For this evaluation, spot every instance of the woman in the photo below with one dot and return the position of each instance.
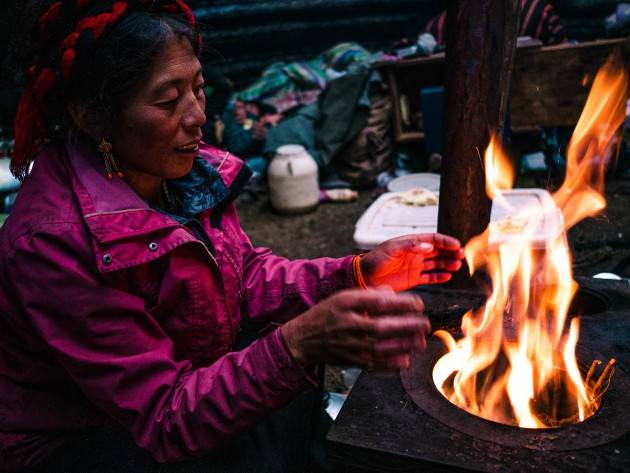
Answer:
(127, 283)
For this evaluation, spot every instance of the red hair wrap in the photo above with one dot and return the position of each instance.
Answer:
(29, 123)
(97, 24)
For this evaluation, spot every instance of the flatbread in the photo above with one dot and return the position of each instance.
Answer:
(418, 197)
(510, 225)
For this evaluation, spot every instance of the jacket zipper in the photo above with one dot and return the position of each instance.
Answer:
(229, 318)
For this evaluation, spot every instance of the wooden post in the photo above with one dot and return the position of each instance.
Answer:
(480, 45)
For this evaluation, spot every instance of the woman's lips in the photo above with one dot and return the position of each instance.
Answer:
(189, 147)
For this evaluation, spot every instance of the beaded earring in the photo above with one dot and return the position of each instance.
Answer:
(105, 148)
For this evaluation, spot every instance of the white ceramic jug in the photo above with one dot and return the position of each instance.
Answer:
(293, 182)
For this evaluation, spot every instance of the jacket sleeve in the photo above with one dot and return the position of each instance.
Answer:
(123, 361)
(278, 289)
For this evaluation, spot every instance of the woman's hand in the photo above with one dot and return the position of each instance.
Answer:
(408, 261)
(372, 328)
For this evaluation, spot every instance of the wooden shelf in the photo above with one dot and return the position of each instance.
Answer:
(549, 86)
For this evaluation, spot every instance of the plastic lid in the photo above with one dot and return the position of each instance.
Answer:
(290, 150)
(525, 213)
(387, 218)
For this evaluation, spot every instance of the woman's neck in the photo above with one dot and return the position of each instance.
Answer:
(145, 185)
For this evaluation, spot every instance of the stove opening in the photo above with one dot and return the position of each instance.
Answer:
(554, 405)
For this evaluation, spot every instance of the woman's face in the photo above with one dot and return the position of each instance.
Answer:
(158, 133)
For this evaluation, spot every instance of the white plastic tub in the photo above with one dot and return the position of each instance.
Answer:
(387, 218)
(534, 213)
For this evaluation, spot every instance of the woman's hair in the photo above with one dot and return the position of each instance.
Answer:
(94, 54)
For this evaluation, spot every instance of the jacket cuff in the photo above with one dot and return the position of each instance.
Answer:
(345, 277)
(296, 376)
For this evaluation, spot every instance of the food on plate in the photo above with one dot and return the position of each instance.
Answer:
(418, 198)
(510, 225)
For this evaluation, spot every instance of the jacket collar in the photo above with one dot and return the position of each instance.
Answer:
(200, 190)
(113, 211)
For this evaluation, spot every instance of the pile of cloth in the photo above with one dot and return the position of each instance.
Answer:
(285, 86)
(332, 105)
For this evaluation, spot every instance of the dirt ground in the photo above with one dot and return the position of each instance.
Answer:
(600, 244)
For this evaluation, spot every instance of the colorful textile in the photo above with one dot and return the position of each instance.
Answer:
(284, 86)
(113, 312)
(298, 129)
(539, 20)
(200, 190)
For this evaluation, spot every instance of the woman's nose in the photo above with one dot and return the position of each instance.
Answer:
(195, 115)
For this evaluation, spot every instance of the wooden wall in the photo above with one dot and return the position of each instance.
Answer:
(246, 35)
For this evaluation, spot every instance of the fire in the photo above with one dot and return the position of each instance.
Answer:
(516, 362)
(499, 171)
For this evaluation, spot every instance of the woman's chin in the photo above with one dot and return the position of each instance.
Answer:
(183, 164)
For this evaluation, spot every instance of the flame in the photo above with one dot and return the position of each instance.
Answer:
(499, 171)
(516, 361)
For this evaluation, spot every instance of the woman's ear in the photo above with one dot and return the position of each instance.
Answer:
(81, 119)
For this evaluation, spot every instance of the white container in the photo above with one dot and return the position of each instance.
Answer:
(525, 213)
(293, 180)
(387, 218)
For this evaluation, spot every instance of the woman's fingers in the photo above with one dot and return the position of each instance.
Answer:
(445, 254)
(384, 326)
(451, 265)
(388, 327)
(437, 277)
(397, 346)
(436, 239)
(382, 335)
(389, 336)
(377, 302)
(445, 242)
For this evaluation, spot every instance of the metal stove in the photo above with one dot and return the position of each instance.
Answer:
(400, 422)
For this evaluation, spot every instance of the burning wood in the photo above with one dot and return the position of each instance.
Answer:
(516, 363)
(601, 385)
(591, 371)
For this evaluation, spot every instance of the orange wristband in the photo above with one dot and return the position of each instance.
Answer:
(358, 276)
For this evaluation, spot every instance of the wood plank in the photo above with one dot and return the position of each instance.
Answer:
(550, 86)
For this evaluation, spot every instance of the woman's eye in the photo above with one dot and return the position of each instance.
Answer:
(168, 103)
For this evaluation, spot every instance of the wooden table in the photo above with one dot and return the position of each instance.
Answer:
(549, 87)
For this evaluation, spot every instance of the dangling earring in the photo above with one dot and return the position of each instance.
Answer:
(110, 163)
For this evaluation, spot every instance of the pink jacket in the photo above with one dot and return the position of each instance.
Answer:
(110, 309)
